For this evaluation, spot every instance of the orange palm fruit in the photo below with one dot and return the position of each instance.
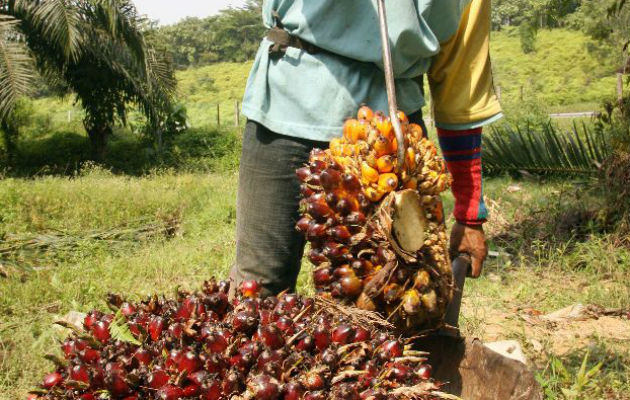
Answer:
(385, 127)
(347, 150)
(402, 117)
(410, 158)
(383, 146)
(385, 164)
(335, 146)
(374, 195)
(416, 131)
(438, 211)
(365, 113)
(368, 173)
(354, 130)
(388, 182)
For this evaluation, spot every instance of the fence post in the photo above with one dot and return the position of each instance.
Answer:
(620, 89)
(218, 116)
(236, 113)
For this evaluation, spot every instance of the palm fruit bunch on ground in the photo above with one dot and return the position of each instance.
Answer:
(376, 229)
(203, 346)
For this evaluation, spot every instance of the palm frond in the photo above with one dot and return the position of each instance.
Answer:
(544, 150)
(59, 21)
(16, 71)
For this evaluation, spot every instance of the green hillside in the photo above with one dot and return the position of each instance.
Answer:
(560, 76)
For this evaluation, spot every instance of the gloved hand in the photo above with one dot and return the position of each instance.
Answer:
(470, 240)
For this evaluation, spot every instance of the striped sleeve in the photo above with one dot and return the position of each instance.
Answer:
(462, 152)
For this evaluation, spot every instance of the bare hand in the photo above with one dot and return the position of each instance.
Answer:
(469, 240)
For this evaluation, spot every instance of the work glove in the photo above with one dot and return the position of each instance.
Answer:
(469, 240)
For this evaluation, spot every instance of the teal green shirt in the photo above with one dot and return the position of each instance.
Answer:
(310, 95)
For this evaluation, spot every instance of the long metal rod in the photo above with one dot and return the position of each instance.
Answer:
(390, 85)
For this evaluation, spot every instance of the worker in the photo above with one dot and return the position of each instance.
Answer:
(320, 61)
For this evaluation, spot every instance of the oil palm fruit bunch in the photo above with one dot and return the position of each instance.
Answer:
(376, 228)
(203, 346)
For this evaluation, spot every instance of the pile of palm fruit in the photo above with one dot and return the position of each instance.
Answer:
(203, 346)
(375, 227)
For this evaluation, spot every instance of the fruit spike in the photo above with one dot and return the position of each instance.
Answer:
(280, 348)
(362, 204)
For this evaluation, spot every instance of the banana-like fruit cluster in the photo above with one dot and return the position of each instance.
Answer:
(376, 231)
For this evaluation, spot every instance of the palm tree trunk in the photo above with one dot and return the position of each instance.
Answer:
(98, 140)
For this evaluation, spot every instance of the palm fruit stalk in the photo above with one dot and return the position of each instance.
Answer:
(376, 232)
(202, 346)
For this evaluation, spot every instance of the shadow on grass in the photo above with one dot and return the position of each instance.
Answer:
(65, 153)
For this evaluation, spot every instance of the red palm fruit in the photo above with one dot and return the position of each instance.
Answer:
(173, 358)
(319, 211)
(170, 392)
(135, 329)
(317, 166)
(340, 233)
(271, 336)
(51, 380)
(217, 302)
(351, 183)
(143, 356)
(198, 377)
(303, 173)
(355, 218)
(80, 373)
(306, 343)
(316, 256)
(211, 391)
(322, 276)
(313, 381)
(117, 385)
(335, 290)
(33, 396)
(244, 321)
(90, 319)
(330, 358)
(342, 334)
(344, 206)
(401, 372)
(88, 396)
(285, 324)
(316, 231)
(68, 348)
(361, 335)
(365, 113)
(316, 395)
(424, 371)
(343, 271)
(264, 388)
(371, 394)
(100, 330)
(185, 310)
(303, 224)
(214, 364)
(267, 356)
(330, 179)
(176, 330)
(157, 378)
(231, 383)
(351, 286)
(189, 362)
(290, 299)
(191, 390)
(89, 355)
(156, 326)
(250, 288)
(306, 190)
(127, 309)
(391, 349)
(335, 250)
(322, 337)
(293, 391)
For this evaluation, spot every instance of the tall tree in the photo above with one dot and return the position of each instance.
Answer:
(98, 49)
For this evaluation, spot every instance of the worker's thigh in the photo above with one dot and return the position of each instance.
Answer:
(268, 248)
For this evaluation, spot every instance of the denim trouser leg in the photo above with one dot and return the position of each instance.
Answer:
(268, 248)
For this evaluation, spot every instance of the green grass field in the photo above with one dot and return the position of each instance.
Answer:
(173, 216)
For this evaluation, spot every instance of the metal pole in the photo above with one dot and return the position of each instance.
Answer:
(390, 85)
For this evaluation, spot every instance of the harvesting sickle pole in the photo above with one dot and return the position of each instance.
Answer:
(390, 85)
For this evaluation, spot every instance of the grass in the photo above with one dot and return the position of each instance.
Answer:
(78, 278)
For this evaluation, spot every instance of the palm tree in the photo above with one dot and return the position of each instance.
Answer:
(97, 48)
